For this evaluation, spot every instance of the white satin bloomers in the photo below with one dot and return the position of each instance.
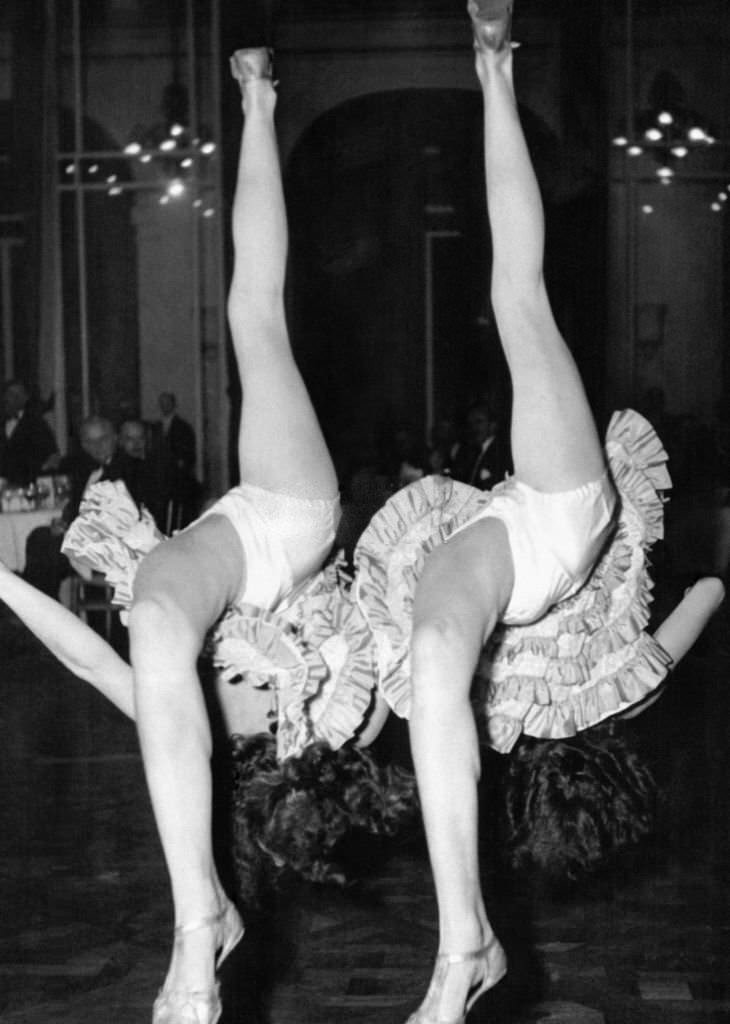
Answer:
(284, 538)
(554, 537)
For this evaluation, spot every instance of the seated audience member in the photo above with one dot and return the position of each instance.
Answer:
(97, 459)
(403, 457)
(483, 459)
(364, 491)
(443, 447)
(27, 444)
(178, 447)
(144, 480)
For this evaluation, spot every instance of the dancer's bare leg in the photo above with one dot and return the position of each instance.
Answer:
(280, 442)
(555, 444)
(70, 640)
(466, 586)
(180, 590)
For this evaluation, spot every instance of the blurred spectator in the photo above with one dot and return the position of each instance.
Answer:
(364, 491)
(27, 444)
(144, 480)
(404, 458)
(98, 459)
(178, 447)
(483, 459)
(444, 446)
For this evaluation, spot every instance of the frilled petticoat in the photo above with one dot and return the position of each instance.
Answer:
(340, 642)
(587, 658)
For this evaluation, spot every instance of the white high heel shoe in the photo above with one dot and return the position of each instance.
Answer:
(198, 1006)
(491, 22)
(492, 967)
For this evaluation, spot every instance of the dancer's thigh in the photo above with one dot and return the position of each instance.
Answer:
(280, 444)
(555, 444)
(196, 573)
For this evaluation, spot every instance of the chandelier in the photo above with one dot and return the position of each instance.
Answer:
(170, 147)
(667, 129)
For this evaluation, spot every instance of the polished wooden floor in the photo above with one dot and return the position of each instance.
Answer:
(85, 914)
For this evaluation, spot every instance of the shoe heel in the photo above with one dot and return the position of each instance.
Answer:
(232, 930)
(491, 24)
(249, 65)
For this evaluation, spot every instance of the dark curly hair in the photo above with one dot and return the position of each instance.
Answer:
(574, 805)
(292, 818)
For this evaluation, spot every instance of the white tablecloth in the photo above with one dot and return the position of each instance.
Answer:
(14, 530)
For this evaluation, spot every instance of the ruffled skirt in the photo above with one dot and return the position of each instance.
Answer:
(341, 643)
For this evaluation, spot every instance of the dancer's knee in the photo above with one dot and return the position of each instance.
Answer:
(257, 320)
(442, 649)
(521, 297)
(158, 617)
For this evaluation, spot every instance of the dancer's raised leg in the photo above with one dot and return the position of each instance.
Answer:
(554, 440)
(281, 447)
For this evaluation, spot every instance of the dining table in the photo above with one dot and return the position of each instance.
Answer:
(15, 527)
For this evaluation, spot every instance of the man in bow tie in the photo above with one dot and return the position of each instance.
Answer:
(27, 444)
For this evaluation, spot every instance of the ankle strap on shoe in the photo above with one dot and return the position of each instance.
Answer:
(462, 958)
(200, 922)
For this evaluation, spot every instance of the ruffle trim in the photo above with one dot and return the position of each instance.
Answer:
(319, 656)
(111, 535)
(586, 657)
(389, 560)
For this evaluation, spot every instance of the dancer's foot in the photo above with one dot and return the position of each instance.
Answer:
(190, 993)
(491, 23)
(459, 979)
(252, 65)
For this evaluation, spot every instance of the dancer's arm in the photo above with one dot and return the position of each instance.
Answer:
(375, 722)
(75, 645)
(682, 627)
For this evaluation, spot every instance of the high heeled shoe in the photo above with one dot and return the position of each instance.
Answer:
(493, 968)
(491, 23)
(200, 1006)
(248, 65)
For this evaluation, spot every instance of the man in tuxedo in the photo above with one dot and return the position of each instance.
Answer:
(97, 459)
(27, 444)
(484, 458)
(178, 447)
